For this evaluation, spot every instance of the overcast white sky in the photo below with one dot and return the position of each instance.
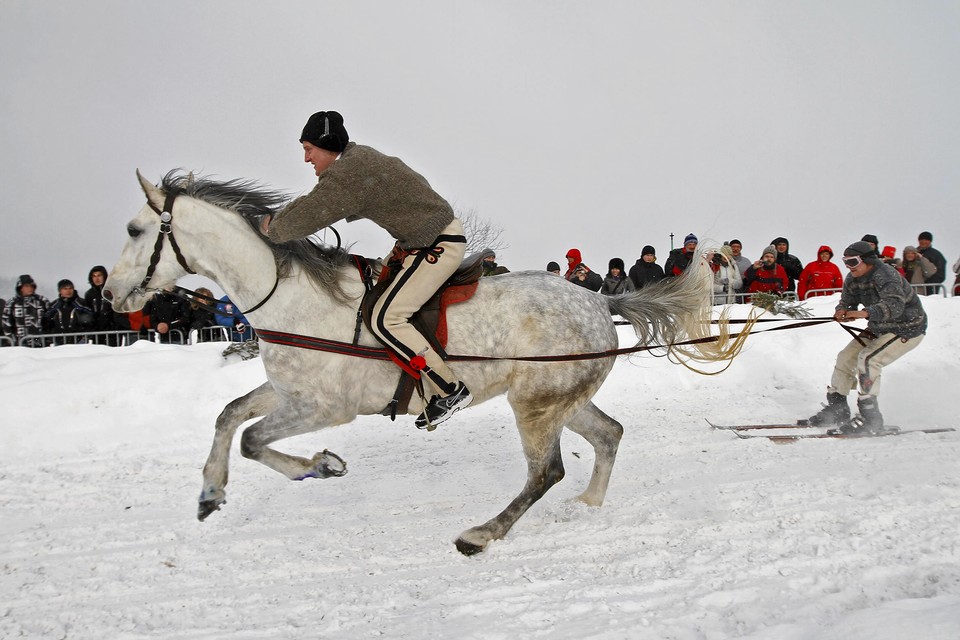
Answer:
(598, 125)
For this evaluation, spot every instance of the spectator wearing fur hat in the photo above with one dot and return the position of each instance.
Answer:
(616, 280)
(896, 324)
(765, 275)
(916, 267)
(679, 259)
(925, 248)
(646, 270)
(819, 276)
(727, 280)
(23, 315)
(790, 263)
(355, 182)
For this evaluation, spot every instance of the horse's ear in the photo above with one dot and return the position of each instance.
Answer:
(152, 192)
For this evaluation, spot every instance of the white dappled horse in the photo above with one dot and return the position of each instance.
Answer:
(210, 228)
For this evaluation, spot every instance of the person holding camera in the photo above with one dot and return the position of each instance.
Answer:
(765, 275)
(727, 280)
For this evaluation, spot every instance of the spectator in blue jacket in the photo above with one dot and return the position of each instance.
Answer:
(229, 316)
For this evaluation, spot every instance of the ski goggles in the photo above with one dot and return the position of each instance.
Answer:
(852, 262)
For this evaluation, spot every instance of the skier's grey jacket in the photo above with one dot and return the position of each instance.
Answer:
(893, 304)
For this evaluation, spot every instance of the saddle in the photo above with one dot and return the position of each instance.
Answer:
(430, 320)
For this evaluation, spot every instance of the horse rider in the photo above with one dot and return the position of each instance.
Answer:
(356, 181)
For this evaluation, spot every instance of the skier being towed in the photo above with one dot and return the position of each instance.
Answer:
(896, 324)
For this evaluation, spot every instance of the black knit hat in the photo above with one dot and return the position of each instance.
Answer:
(926, 235)
(325, 129)
(862, 249)
(553, 266)
(648, 250)
(870, 238)
(64, 283)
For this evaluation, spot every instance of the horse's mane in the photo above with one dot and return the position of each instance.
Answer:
(251, 201)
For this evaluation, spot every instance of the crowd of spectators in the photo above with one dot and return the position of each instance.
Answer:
(776, 270)
(70, 318)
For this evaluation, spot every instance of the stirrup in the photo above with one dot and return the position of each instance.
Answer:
(441, 409)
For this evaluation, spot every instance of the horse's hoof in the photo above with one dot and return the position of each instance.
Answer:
(206, 507)
(326, 464)
(468, 548)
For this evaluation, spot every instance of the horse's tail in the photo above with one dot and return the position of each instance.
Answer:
(678, 310)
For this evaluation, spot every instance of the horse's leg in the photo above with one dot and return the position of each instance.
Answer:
(540, 429)
(258, 402)
(603, 433)
(286, 422)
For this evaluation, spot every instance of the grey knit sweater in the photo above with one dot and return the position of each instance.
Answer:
(893, 304)
(364, 183)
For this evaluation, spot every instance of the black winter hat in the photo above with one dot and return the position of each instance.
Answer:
(25, 279)
(870, 238)
(325, 129)
(553, 266)
(616, 263)
(862, 249)
(648, 250)
(64, 283)
(926, 235)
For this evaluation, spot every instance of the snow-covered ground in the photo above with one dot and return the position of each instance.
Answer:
(702, 535)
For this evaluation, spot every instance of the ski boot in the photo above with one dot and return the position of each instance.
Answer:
(835, 413)
(867, 422)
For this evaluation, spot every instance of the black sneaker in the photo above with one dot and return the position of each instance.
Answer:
(440, 409)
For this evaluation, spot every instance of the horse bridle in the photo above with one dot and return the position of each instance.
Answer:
(166, 231)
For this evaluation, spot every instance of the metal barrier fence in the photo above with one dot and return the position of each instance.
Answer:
(931, 289)
(742, 298)
(121, 338)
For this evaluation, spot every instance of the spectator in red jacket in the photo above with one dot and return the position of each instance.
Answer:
(765, 275)
(818, 275)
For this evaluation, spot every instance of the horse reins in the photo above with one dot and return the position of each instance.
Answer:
(166, 231)
(375, 353)
(346, 348)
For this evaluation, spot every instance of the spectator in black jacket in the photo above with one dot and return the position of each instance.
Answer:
(679, 259)
(23, 314)
(790, 263)
(646, 270)
(925, 249)
(580, 274)
(169, 317)
(67, 314)
(104, 317)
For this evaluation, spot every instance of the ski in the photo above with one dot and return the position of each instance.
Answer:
(793, 437)
(750, 427)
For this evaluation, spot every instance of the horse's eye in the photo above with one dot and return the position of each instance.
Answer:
(133, 231)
